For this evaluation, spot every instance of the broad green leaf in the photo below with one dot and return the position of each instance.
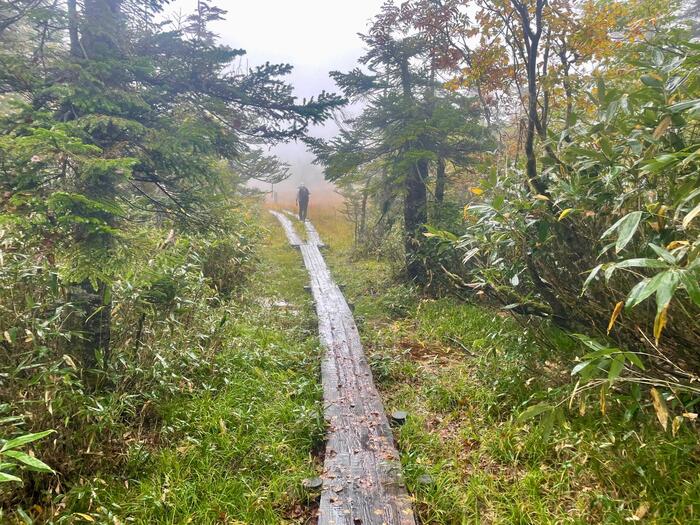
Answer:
(686, 104)
(29, 461)
(667, 287)
(658, 58)
(590, 277)
(534, 411)
(638, 294)
(612, 228)
(547, 424)
(603, 352)
(690, 283)
(633, 296)
(5, 477)
(616, 366)
(627, 229)
(609, 270)
(652, 80)
(590, 343)
(22, 440)
(634, 359)
(579, 367)
(663, 253)
(641, 263)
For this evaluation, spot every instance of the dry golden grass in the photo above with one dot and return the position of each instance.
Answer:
(333, 226)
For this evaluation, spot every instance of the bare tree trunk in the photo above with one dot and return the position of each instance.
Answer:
(532, 40)
(440, 181)
(415, 208)
(535, 125)
(75, 49)
(363, 208)
(92, 320)
(415, 216)
(103, 30)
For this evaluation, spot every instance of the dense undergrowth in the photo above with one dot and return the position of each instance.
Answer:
(128, 134)
(464, 372)
(544, 155)
(209, 411)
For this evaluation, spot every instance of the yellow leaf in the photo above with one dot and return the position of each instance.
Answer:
(541, 197)
(476, 191)
(222, 426)
(660, 407)
(660, 323)
(603, 397)
(662, 127)
(615, 313)
(691, 215)
(86, 517)
(642, 510)
(573, 395)
(690, 415)
(69, 361)
(676, 425)
(676, 244)
(564, 213)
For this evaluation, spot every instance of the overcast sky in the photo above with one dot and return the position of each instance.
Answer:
(315, 36)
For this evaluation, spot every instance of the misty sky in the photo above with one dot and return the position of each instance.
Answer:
(315, 36)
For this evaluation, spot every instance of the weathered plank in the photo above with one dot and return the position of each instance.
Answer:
(362, 481)
(289, 230)
(312, 236)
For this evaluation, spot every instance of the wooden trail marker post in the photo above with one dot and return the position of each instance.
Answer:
(362, 481)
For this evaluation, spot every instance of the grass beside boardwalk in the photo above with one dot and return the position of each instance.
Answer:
(464, 372)
(237, 453)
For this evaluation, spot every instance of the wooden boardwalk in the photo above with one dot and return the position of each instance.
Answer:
(362, 481)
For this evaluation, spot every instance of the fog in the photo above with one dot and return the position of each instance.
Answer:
(315, 36)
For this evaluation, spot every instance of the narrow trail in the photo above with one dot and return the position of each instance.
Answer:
(362, 482)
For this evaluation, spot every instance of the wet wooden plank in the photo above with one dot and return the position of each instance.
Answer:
(362, 481)
(312, 236)
(289, 230)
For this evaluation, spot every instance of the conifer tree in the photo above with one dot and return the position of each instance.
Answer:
(116, 116)
(409, 123)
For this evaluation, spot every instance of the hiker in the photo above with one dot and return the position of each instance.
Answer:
(303, 201)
